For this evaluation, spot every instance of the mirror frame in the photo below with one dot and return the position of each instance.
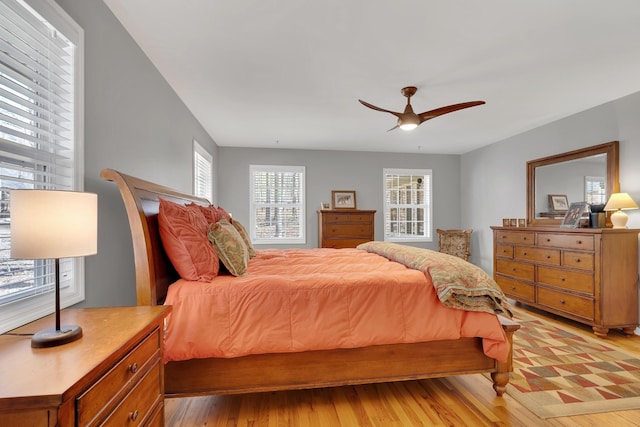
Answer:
(611, 149)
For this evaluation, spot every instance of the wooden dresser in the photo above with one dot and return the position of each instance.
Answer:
(586, 274)
(112, 376)
(345, 228)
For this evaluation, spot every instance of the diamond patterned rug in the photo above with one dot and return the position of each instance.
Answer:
(557, 373)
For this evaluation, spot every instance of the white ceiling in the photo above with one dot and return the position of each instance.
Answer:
(289, 73)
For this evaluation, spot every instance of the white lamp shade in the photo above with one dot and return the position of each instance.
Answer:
(53, 224)
(620, 201)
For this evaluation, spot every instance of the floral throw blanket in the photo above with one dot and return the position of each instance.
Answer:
(458, 283)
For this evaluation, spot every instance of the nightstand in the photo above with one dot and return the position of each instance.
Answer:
(113, 375)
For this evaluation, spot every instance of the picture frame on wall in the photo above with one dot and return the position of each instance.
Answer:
(343, 199)
(574, 214)
(558, 202)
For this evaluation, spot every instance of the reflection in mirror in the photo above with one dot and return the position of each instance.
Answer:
(586, 175)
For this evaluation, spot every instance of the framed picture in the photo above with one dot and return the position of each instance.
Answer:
(505, 222)
(521, 222)
(343, 199)
(325, 206)
(558, 202)
(513, 222)
(574, 213)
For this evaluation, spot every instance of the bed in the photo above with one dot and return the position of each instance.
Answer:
(295, 368)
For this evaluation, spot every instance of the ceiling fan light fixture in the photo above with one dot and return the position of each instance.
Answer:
(408, 126)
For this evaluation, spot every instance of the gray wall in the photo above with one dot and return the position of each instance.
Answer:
(135, 123)
(341, 170)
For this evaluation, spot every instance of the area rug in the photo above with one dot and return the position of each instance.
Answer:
(557, 373)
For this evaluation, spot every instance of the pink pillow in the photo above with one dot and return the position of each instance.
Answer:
(183, 230)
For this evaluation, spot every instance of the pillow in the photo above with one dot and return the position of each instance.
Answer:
(245, 237)
(183, 231)
(229, 247)
(224, 214)
(211, 213)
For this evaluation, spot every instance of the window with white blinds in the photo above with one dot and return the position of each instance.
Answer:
(595, 190)
(407, 205)
(40, 143)
(277, 204)
(202, 172)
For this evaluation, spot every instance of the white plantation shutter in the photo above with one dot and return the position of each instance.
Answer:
(202, 172)
(40, 142)
(407, 205)
(277, 204)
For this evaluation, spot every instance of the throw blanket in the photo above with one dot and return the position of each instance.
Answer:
(458, 283)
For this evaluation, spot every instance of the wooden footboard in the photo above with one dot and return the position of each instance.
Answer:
(283, 371)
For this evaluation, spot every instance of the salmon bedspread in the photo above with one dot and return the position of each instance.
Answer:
(295, 300)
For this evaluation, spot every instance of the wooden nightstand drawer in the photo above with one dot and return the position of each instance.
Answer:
(568, 241)
(92, 404)
(515, 269)
(515, 237)
(136, 408)
(515, 288)
(540, 255)
(574, 280)
(578, 260)
(579, 306)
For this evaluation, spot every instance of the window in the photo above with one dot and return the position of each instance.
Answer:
(277, 204)
(595, 190)
(202, 172)
(41, 133)
(407, 205)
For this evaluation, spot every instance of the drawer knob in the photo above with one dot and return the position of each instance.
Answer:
(513, 269)
(562, 279)
(548, 240)
(513, 288)
(524, 253)
(548, 256)
(578, 242)
(133, 368)
(561, 301)
(577, 259)
(134, 415)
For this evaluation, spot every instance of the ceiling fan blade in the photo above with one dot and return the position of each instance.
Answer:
(373, 107)
(395, 127)
(428, 115)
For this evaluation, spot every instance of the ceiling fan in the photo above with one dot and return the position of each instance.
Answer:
(408, 120)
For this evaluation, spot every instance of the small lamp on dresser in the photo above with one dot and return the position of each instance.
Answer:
(619, 202)
(51, 224)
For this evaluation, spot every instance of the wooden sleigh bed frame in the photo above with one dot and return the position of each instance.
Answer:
(284, 371)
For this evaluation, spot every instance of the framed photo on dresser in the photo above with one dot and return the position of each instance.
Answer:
(574, 213)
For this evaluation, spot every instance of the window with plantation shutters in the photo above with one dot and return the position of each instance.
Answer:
(595, 190)
(40, 142)
(407, 205)
(277, 204)
(202, 172)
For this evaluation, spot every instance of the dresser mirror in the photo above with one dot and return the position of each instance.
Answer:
(575, 174)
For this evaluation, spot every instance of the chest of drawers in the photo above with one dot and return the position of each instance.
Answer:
(589, 275)
(345, 228)
(112, 376)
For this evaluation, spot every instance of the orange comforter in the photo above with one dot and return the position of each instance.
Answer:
(316, 299)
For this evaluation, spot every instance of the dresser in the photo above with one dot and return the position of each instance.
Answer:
(345, 228)
(112, 376)
(586, 274)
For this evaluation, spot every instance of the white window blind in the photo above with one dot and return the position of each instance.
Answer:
(595, 190)
(277, 204)
(202, 172)
(407, 205)
(40, 142)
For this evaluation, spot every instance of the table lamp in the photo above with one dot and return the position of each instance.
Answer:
(619, 202)
(54, 224)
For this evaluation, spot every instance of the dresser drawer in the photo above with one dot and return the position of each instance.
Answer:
(347, 217)
(92, 403)
(519, 290)
(540, 255)
(568, 241)
(574, 280)
(578, 260)
(515, 269)
(343, 243)
(579, 306)
(505, 251)
(136, 408)
(351, 230)
(515, 237)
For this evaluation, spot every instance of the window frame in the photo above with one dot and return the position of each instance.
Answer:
(253, 205)
(427, 236)
(199, 150)
(21, 311)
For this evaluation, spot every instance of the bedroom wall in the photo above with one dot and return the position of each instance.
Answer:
(341, 170)
(135, 123)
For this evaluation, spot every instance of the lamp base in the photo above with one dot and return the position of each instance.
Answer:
(52, 337)
(619, 219)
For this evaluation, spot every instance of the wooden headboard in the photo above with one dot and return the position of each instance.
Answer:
(154, 272)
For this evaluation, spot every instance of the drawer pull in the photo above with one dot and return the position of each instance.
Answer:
(548, 256)
(524, 253)
(561, 301)
(578, 242)
(548, 240)
(513, 269)
(513, 288)
(133, 368)
(577, 259)
(562, 279)
(134, 415)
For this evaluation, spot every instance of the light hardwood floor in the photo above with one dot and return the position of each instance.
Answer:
(457, 401)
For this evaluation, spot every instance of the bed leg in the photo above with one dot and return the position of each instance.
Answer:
(500, 381)
(501, 375)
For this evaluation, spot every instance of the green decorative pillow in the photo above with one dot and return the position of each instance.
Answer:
(245, 237)
(229, 246)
